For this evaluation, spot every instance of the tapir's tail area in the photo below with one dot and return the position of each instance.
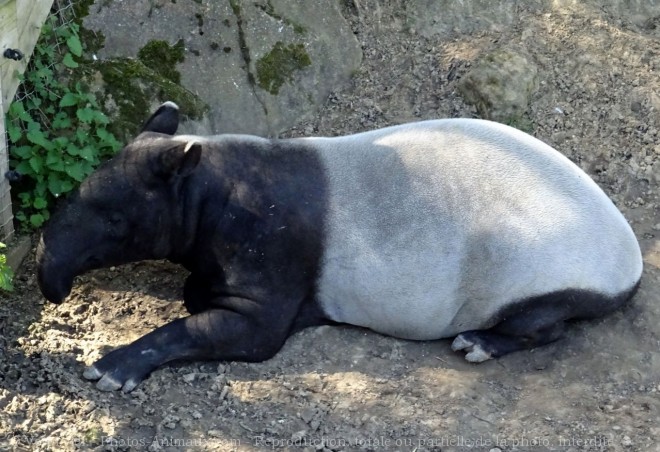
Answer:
(537, 321)
(594, 305)
(564, 305)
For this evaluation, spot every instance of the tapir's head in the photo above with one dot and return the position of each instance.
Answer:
(123, 212)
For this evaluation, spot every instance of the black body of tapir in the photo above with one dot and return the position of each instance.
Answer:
(435, 229)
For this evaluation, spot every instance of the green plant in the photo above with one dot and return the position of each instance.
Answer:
(6, 273)
(57, 131)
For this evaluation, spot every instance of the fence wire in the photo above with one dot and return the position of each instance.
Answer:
(62, 14)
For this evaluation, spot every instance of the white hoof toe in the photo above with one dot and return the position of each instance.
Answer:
(92, 373)
(107, 383)
(474, 353)
(477, 355)
(460, 343)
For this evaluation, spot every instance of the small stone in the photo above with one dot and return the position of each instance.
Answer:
(88, 407)
(170, 422)
(224, 392)
(189, 378)
(297, 437)
(626, 441)
(186, 424)
(307, 415)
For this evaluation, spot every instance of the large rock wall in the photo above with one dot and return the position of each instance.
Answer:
(259, 66)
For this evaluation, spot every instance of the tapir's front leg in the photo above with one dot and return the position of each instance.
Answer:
(213, 334)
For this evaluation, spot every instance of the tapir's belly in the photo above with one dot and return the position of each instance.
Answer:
(389, 294)
(432, 228)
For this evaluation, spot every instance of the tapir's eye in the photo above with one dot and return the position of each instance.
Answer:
(117, 225)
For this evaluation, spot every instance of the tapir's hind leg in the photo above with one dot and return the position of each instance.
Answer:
(535, 322)
(197, 295)
(481, 345)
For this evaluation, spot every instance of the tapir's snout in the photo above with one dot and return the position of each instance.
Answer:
(55, 291)
(55, 281)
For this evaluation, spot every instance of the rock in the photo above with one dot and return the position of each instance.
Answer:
(17, 250)
(170, 421)
(298, 436)
(307, 415)
(500, 85)
(636, 106)
(646, 98)
(259, 66)
(190, 377)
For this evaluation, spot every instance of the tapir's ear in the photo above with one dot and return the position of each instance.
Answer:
(180, 160)
(164, 120)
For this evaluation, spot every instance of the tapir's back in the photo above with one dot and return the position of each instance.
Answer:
(432, 227)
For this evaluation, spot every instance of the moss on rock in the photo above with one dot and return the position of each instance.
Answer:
(500, 86)
(277, 66)
(130, 89)
(163, 58)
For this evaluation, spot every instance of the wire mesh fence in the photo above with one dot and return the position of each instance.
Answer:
(61, 14)
(21, 33)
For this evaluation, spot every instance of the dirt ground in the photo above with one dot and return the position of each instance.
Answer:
(342, 388)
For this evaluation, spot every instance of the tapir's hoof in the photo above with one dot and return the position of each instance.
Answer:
(114, 371)
(106, 382)
(474, 351)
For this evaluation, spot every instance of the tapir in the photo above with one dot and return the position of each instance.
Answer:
(444, 228)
